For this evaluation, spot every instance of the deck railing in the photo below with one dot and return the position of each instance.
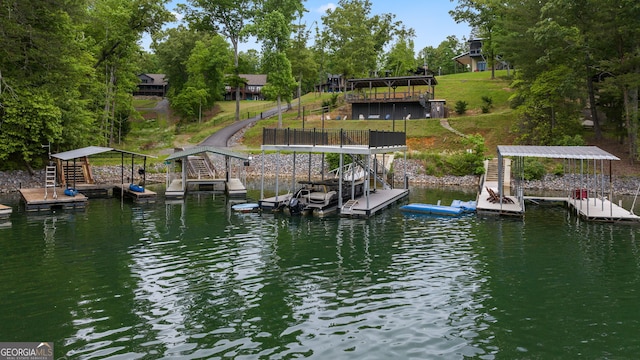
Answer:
(318, 137)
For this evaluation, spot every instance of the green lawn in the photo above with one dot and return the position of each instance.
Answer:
(423, 135)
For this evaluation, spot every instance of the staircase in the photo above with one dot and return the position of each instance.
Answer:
(200, 168)
(492, 172)
(74, 174)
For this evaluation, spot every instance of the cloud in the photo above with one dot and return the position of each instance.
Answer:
(178, 16)
(323, 8)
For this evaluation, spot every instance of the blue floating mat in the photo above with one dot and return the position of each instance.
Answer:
(432, 209)
(466, 206)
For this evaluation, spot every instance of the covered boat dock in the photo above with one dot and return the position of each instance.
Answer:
(70, 182)
(588, 190)
(199, 172)
(361, 145)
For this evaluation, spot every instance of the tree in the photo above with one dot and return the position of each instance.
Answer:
(482, 15)
(274, 31)
(248, 62)
(173, 48)
(117, 26)
(303, 64)
(45, 68)
(400, 60)
(205, 83)
(355, 40)
(226, 17)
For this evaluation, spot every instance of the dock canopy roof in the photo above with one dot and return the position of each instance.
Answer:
(202, 149)
(90, 150)
(416, 80)
(557, 152)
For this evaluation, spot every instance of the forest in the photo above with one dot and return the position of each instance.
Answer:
(68, 68)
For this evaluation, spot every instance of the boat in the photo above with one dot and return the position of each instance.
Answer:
(245, 207)
(321, 197)
(456, 208)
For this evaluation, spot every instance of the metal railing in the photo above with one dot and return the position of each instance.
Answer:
(332, 137)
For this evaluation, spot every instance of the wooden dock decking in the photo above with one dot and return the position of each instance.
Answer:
(5, 211)
(484, 206)
(147, 196)
(34, 199)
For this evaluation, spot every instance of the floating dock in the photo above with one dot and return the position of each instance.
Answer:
(363, 149)
(5, 211)
(590, 209)
(147, 196)
(35, 200)
(590, 190)
(367, 206)
(198, 172)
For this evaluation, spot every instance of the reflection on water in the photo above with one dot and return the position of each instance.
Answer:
(192, 279)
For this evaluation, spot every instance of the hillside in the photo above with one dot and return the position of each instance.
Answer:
(156, 132)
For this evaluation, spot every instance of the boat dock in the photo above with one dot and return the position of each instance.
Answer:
(5, 211)
(360, 148)
(199, 173)
(35, 200)
(367, 206)
(139, 197)
(589, 190)
(504, 204)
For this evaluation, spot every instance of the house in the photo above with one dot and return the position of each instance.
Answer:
(251, 88)
(151, 85)
(475, 59)
(395, 97)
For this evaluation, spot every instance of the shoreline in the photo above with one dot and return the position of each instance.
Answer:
(12, 181)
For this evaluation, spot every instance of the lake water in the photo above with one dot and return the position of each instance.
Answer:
(195, 280)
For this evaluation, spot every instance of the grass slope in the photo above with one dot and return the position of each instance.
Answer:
(154, 132)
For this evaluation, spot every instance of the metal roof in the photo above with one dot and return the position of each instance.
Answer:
(90, 150)
(201, 149)
(415, 80)
(557, 152)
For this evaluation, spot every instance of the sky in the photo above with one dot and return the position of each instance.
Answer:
(429, 18)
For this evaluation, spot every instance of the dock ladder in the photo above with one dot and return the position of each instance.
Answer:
(349, 204)
(50, 181)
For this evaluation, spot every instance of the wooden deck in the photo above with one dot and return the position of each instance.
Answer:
(35, 201)
(147, 196)
(484, 206)
(5, 211)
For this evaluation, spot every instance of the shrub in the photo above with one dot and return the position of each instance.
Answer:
(487, 104)
(461, 107)
(533, 169)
